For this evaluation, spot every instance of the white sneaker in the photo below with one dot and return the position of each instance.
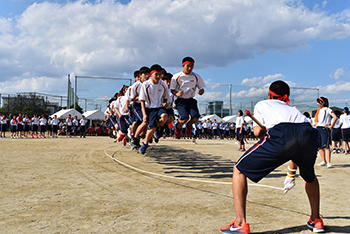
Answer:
(329, 165)
(289, 183)
(323, 163)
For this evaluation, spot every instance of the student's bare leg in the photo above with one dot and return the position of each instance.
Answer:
(322, 154)
(140, 129)
(239, 190)
(328, 154)
(313, 192)
(163, 119)
(149, 135)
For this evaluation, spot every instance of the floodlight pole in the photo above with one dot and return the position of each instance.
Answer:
(230, 99)
(75, 90)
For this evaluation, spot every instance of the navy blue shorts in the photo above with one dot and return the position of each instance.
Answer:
(13, 128)
(325, 137)
(111, 122)
(153, 115)
(345, 134)
(170, 112)
(336, 134)
(298, 142)
(26, 128)
(3, 127)
(239, 135)
(186, 108)
(43, 128)
(55, 128)
(137, 115)
(123, 123)
(19, 127)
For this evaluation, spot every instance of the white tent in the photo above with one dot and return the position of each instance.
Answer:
(94, 115)
(230, 118)
(62, 114)
(211, 118)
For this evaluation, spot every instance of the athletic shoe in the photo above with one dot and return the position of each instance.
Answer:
(120, 138)
(289, 183)
(177, 133)
(329, 165)
(156, 136)
(334, 151)
(315, 225)
(189, 130)
(234, 228)
(338, 151)
(143, 148)
(124, 141)
(323, 163)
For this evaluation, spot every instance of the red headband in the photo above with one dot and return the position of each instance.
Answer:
(154, 71)
(187, 62)
(279, 97)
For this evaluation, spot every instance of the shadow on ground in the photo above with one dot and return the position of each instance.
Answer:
(192, 164)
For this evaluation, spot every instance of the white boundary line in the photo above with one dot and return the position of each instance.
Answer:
(179, 178)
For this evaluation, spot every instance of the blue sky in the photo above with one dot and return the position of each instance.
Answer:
(247, 44)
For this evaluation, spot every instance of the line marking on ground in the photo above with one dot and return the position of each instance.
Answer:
(179, 178)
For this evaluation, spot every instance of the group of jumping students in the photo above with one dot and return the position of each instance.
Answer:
(22, 126)
(286, 135)
(146, 107)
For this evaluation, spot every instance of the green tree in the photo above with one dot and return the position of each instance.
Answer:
(78, 108)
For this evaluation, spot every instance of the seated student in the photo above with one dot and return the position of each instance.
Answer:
(288, 136)
(153, 97)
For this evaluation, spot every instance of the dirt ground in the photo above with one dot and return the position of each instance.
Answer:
(74, 186)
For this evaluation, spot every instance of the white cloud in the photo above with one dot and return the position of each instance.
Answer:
(258, 81)
(337, 87)
(338, 73)
(108, 38)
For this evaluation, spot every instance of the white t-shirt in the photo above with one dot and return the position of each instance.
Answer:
(170, 100)
(55, 121)
(324, 117)
(187, 83)
(337, 123)
(83, 122)
(120, 105)
(75, 122)
(107, 112)
(153, 94)
(128, 95)
(215, 125)
(112, 106)
(35, 121)
(239, 121)
(345, 121)
(3, 120)
(43, 121)
(13, 122)
(69, 122)
(272, 112)
(26, 121)
(135, 90)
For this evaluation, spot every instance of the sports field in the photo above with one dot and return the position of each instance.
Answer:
(74, 186)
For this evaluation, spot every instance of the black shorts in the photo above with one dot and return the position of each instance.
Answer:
(13, 128)
(42, 128)
(239, 135)
(69, 128)
(19, 127)
(345, 134)
(187, 108)
(55, 128)
(26, 128)
(336, 134)
(34, 128)
(170, 112)
(325, 137)
(154, 114)
(298, 142)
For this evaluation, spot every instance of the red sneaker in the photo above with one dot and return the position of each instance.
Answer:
(315, 225)
(189, 130)
(120, 138)
(178, 133)
(234, 228)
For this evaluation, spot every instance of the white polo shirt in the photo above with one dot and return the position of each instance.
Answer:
(272, 112)
(83, 122)
(35, 121)
(120, 105)
(55, 121)
(112, 106)
(187, 83)
(107, 112)
(345, 121)
(239, 121)
(153, 94)
(43, 121)
(324, 117)
(69, 122)
(135, 90)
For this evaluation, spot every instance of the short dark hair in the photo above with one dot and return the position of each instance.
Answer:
(156, 67)
(136, 73)
(144, 70)
(346, 110)
(323, 101)
(240, 112)
(280, 87)
(167, 76)
(188, 59)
